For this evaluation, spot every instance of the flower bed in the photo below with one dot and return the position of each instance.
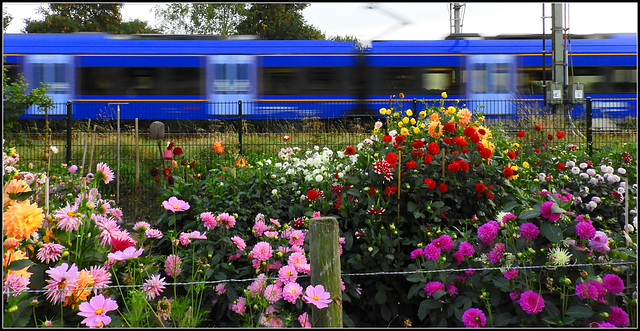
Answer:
(443, 222)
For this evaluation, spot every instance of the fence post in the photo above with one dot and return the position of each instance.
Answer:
(69, 127)
(240, 126)
(415, 106)
(324, 255)
(589, 116)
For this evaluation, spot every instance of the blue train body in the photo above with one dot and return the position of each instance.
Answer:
(173, 77)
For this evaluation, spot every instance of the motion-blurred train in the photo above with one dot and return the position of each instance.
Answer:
(174, 77)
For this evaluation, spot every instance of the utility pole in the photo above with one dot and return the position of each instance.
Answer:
(559, 53)
(456, 24)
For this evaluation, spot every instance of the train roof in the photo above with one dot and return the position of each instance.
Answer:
(101, 43)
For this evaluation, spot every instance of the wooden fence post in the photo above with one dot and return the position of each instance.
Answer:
(324, 258)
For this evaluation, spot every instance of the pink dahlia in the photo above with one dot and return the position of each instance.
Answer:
(431, 252)
(600, 242)
(104, 172)
(585, 230)
(531, 302)
(291, 291)
(488, 231)
(474, 318)
(613, 283)
(545, 210)
(154, 286)
(49, 252)
(262, 251)
(618, 317)
(529, 231)
(432, 287)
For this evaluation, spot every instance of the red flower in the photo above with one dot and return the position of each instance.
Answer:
(387, 138)
(449, 127)
(167, 172)
(482, 131)
(350, 150)
(154, 172)
(508, 172)
(432, 148)
(538, 128)
(475, 138)
(469, 131)
(411, 164)
(418, 144)
(559, 134)
(177, 151)
(521, 134)
(372, 190)
(399, 140)
(391, 159)
(417, 153)
(485, 153)
(480, 187)
(312, 195)
(443, 187)
(537, 150)
(428, 158)
(549, 136)
(453, 167)
(464, 166)
(390, 190)
(431, 184)
(460, 141)
(511, 155)
(561, 166)
(446, 141)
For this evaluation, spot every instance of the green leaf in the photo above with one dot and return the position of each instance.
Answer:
(381, 297)
(501, 283)
(21, 196)
(529, 214)
(580, 312)
(426, 306)
(20, 264)
(551, 232)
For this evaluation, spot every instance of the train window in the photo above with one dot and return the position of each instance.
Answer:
(478, 80)
(624, 79)
(436, 80)
(141, 81)
(532, 80)
(400, 80)
(182, 81)
(501, 78)
(280, 80)
(98, 81)
(322, 80)
(12, 71)
(593, 79)
(231, 78)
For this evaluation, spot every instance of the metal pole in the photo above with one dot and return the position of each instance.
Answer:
(240, 126)
(69, 127)
(589, 119)
(118, 172)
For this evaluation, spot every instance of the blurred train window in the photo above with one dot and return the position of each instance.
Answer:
(141, 81)
(501, 78)
(231, 78)
(280, 80)
(478, 79)
(98, 81)
(532, 79)
(396, 80)
(182, 81)
(437, 80)
(624, 79)
(322, 80)
(593, 78)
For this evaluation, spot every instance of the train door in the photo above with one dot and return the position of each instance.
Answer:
(58, 72)
(491, 82)
(231, 78)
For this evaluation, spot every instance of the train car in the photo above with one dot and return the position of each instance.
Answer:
(199, 77)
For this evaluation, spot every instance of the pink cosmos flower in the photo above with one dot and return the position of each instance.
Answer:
(317, 296)
(474, 318)
(174, 204)
(49, 252)
(154, 286)
(172, 265)
(67, 219)
(262, 251)
(239, 242)
(63, 277)
(432, 287)
(291, 291)
(95, 311)
(104, 172)
(304, 320)
(127, 253)
(613, 283)
(531, 302)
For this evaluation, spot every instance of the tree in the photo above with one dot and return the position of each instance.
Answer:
(199, 18)
(17, 100)
(6, 19)
(278, 22)
(79, 17)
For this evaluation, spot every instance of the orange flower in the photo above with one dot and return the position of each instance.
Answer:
(22, 219)
(14, 186)
(217, 147)
(83, 284)
(241, 162)
(11, 256)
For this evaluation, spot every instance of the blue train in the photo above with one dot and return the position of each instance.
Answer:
(200, 77)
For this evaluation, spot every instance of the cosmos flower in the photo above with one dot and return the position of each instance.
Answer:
(63, 277)
(317, 296)
(126, 254)
(174, 204)
(95, 311)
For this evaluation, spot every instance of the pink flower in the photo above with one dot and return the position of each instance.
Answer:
(104, 172)
(288, 273)
(618, 317)
(239, 242)
(63, 277)
(488, 231)
(474, 318)
(16, 282)
(416, 252)
(511, 274)
(262, 251)
(304, 320)
(209, 220)
(226, 220)
(185, 238)
(172, 265)
(154, 233)
(67, 219)
(432, 287)
(73, 168)
(273, 292)
(221, 288)
(297, 238)
(466, 249)
(444, 242)
(239, 306)
(298, 261)
(496, 253)
(529, 231)
(600, 242)
(174, 204)
(531, 302)
(101, 277)
(613, 283)
(317, 296)
(585, 230)
(431, 252)
(49, 252)
(291, 291)
(154, 286)
(545, 210)
(127, 253)
(95, 311)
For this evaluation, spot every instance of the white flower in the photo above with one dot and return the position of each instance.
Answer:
(575, 170)
(591, 172)
(319, 178)
(559, 256)
(622, 171)
(274, 192)
(570, 164)
(583, 165)
(378, 125)
(54, 149)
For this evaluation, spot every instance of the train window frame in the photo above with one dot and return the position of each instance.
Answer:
(323, 80)
(288, 80)
(452, 80)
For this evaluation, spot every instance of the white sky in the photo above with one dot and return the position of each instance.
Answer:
(425, 20)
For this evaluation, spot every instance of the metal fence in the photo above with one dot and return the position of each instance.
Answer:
(120, 134)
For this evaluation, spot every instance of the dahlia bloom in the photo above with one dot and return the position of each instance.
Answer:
(488, 231)
(474, 318)
(154, 286)
(49, 252)
(22, 219)
(613, 283)
(104, 172)
(262, 251)
(585, 230)
(600, 242)
(618, 317)
(529, 231)
(63, 277)
(67, 218)
(431, 252)
(172, 265)
(209, 220)
(432, 287)
(16, 282)
(545, 210)
(239, 242)
(531, 302)
(444, 242)
(291, 291)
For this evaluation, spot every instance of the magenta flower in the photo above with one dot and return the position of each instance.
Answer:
(154, 286)
(474, 318)
(545, 211)
(618, 317)
(529, 231)
(172, 265)
(613, 283)
(531, 302)
(444, 242)
(104, 172)
(488, 231)
(63, 277)
(496, 253)
(95, 311)
(239, 306)
(317, 296)
(431, 252)
(262, 251)
(416, 252)
(585, 230)
(511, 274)
(73, 168)
(590, 289)
(239, 242)
(128, 253)
(304, 320)
(174, 204)
(432, 287)
(466, 249)
(49, 252)
(600, 242)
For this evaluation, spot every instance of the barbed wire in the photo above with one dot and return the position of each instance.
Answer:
(377, 273)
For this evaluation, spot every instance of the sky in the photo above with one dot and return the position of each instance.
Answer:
(419, 21)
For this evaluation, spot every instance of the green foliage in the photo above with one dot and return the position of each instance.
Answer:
(199, 18)
(278, 22)
(68, 18)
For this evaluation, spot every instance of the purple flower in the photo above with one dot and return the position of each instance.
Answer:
(529, 231)
(585, 230)
(474, 318)
(618, 317)
(488, 231)
(603, 325)
(444, 242)
(531, 302)
(432, 252)
(466, 249)
(612, 283)
(545, 210)
(511, 274)
(590, 289)
(416, 252)
(600, 242)
(496, 253)
(431, 287)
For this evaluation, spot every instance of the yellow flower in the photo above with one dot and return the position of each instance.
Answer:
(413, 121)
(422, 125)
(405, 120)
(22, 219)
(450, 110)
(404, 132)
(435, 129)
(423, 114)
(400, 124)
(409, 112)
(401, 95)
(525, 164)
(383, 111)
(444, 95)
(388, 112)
(516, 145)
(416, 130)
